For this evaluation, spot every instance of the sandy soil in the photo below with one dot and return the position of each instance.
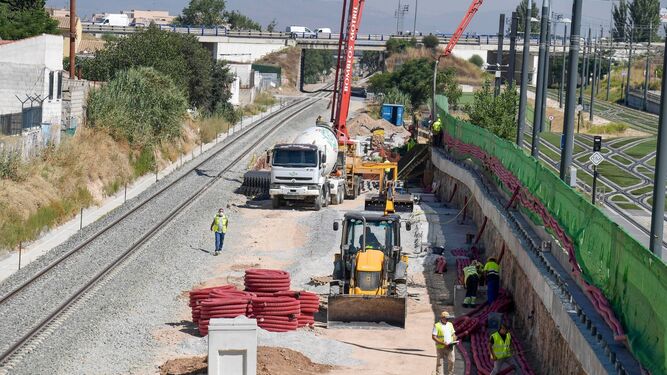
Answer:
(270, 361)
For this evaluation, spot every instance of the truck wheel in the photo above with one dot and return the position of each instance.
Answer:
(318, 203)
(341, 196)
(275, 202)
(326, 198)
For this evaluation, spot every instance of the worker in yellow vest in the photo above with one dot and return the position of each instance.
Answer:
(445, 341)
(436, 128)
(492, 277)
(219, 227)
(471, 282)
(500, 347)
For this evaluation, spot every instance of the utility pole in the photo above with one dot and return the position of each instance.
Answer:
(512, 67)
(562, 72)
(414, 24)
(499, 55)
(647, 76)
(627, 83)
(611, 54)
(658, 210)
(540, 90)
(398, 15)
(587, 52)
(595, 69)
(523, 94)
(568, 125)
(545, 83)
(72, 39)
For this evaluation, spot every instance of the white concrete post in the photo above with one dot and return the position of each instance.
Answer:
(232, 346)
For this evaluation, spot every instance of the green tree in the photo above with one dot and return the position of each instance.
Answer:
(25, 18)
(179, 56)
(207, 13)
(430, 41)
(415, 78)
(396, 45)
(238, 21)
(318, 63)
(140, 105)
(371, 61)
(498, 114)
(620, 18)
(477, 60)
(645, 19)
(272, 26)
(521, 13)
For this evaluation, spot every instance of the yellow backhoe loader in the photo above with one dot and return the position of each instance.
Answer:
(369, 287)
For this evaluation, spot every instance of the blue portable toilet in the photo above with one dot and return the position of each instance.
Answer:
(393, 113)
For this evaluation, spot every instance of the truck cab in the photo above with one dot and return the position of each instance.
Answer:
(297, 173)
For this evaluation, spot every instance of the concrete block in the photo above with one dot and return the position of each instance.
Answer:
(232, 346)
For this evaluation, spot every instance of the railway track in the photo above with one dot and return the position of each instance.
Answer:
(28, 336)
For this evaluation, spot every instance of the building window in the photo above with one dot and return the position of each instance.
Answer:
(51, 85)
(59, 88)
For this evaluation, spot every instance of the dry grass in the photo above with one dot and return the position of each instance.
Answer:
(288, 60)
(466, 73)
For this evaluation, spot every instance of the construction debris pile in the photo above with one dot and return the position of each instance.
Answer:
(267, 297)
(366, 126)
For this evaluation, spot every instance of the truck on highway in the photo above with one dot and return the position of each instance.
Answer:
(115, 19)
(305, 170)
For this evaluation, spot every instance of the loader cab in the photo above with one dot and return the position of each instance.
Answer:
(370, 232)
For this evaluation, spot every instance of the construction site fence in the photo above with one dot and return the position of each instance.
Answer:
(632, 278)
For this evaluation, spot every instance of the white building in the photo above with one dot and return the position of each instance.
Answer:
(31, 90)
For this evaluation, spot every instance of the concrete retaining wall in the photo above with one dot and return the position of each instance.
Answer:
(543, 318)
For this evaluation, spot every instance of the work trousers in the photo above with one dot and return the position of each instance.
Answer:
(445, 362)
(493, 285)
(499, 364)
(437, 139)
(471, 286)
(219, 240)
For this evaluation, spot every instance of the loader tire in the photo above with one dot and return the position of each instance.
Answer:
(318, 203)
(402, 289)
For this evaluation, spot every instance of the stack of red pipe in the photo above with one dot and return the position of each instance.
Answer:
(459, 252)
(198, 295)
(309, 303)
(266, 281)
(267, 298)
(276, 313)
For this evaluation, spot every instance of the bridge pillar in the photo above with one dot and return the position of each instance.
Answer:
(302, 64)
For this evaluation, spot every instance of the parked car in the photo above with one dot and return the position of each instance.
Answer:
(300, 32)
(324, 30)
(359, 92)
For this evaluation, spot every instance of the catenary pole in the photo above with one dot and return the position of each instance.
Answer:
(545, 82)
(539, 89)
(647, 76)
(658, 211)
(499, 54)
(627, 83)
(570, 100)
(523, 94)
(562, 72)
(511, 69)
(591, 110)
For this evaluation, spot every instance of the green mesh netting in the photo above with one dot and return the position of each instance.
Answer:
(630, 276)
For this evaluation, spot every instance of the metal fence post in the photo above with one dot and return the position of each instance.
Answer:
(20, 252)
(81, 219)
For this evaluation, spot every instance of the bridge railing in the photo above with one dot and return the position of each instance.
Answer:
(633, 279)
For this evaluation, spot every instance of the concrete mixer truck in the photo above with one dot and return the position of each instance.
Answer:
(305, 170)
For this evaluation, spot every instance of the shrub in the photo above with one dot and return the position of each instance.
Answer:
(611, 128)
(10, 166)
(139, 105)
(430, 41)
(477, 60)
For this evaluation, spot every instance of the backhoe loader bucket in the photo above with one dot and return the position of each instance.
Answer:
(357, 311)
(374, 202)
(403, 203)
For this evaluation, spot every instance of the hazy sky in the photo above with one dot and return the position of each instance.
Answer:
(433, 15)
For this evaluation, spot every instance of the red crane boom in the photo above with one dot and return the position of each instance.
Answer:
(343, 84)
(472, 9)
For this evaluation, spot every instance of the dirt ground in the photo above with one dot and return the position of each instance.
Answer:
(270, 361)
